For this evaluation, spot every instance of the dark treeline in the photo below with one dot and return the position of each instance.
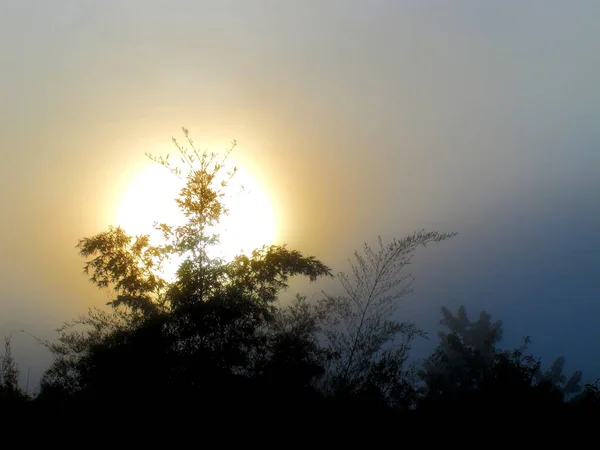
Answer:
(216, 347)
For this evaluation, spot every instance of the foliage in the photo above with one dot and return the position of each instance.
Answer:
(368, 347)
(14, 402)
(76, 340)
(464, 355)
(294, 354)
(588, 401)
(128, 266)
(467, 372)
(200, 200)
(9, 373)
(555, 377)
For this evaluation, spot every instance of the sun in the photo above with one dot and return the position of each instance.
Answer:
(150, 195)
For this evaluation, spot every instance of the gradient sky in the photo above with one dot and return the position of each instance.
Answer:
(360, 118)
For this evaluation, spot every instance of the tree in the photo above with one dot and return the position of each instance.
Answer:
(202, 334)
(9, 374)
(367, 346)
(468, 374)
(555, 376)
(587, 403)
(13, 401)
(464, 355)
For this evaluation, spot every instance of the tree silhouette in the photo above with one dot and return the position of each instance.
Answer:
(464, 356)
(9, 374)
(212, 335)
(368, 347)
(555, 376)
(468, 374)
(14, 403)
(587, 403)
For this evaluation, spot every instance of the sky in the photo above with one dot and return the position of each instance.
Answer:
(355, 118)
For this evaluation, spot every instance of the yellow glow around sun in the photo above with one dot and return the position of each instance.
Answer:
(150, 196)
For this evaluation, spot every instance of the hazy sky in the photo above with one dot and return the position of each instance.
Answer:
(359, 118)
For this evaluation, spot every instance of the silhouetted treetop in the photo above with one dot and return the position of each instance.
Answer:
(467, 369)
(368, 346)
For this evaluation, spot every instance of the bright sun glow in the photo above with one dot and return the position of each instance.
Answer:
(150, 196)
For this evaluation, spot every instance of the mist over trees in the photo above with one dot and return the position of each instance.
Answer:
(214, 345)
